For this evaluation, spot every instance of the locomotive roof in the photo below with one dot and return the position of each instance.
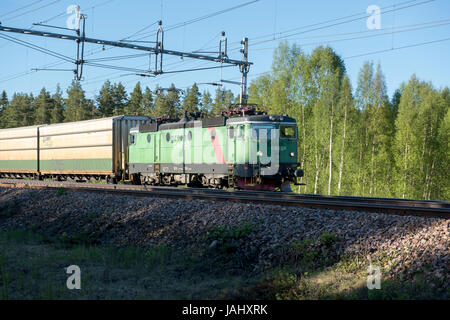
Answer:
(214, 122)
(262, 118)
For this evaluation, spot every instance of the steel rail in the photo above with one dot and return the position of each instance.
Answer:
(428, 208)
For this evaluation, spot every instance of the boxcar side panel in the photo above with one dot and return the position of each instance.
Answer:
(18, 150)
(78, 147)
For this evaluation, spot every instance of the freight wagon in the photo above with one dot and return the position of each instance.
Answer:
(92, 149)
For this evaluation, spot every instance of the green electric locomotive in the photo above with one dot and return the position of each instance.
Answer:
(252, 151)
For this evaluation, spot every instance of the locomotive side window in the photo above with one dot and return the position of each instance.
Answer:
(231, 132)
(240, 132)
(288, 132)
(132, 139)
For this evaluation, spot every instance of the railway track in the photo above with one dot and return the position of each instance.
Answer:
(427, 208)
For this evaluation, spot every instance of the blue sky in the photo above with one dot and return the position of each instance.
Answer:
(264, 20)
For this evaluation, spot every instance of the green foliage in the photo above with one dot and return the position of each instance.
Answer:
(77, 106)
(19, 112)
(327, 239)
(60, 191)
(223, 233)
(105, 100)
(8, 208)
(223, 99)
(192, 101)
(227, 245)
(135, 105)
(364, 145)
(167, 104)
(421, 142)
(120, 99)
(43, 105)
(58, 109)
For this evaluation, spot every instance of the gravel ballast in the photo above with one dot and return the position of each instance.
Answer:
(412, 244)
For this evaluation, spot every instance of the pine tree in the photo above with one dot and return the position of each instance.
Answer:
(20, 111)
(135, 105)
(77, 106)
(160, 103)
(206, 104)
(43, 105)
(147, 102)
(173, 104)
(120, 99)
(192, 100)
(223, 99)
(57, 112)
(3, 105)
(105, 100)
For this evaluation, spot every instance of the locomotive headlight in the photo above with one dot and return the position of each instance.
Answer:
(259, 154)
(292, 154)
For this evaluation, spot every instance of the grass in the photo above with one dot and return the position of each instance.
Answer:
(60, 191)
(32, 266)
(7, 209)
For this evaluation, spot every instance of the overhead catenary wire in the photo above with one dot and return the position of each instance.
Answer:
(30, 11)
(364, 37)
(194, 20)
(37, 48)
(64, 12)
(21, 8)
(397, 48)
(361, 15)
(336, 24)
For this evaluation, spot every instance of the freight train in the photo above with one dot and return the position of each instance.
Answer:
(241, 150)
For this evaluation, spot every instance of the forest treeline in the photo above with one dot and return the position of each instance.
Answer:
(359, 142)
(351, 141)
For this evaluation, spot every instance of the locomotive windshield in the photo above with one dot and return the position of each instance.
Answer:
(288, 132)
(262, 132)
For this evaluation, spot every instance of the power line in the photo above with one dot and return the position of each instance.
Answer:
(37, 48)
(21, 8)
(398, 48)
(210, 15)
(339, 23)
(30, 11)
(139, 31)
(331, 20)
(64, 12)
(395, 7)
(198, 69)
(364, 37)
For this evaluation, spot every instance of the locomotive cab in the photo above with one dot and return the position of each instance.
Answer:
(267, 157)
